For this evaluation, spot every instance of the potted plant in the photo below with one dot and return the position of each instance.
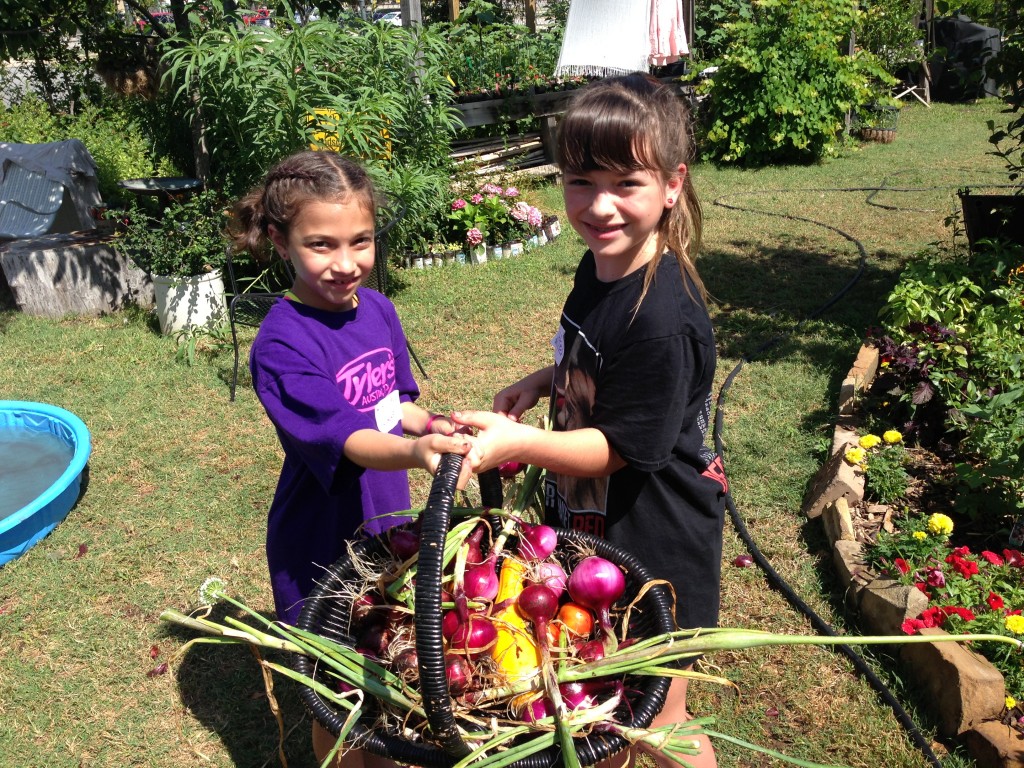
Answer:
(182, 248)
(878, 120)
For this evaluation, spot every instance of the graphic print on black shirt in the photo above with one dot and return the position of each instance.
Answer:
(581, 502)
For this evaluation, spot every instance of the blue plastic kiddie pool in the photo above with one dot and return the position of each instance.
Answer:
(43, 453)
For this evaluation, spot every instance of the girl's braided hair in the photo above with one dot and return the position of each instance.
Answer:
(308, 176)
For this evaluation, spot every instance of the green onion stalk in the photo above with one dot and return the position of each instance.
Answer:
(658, 656)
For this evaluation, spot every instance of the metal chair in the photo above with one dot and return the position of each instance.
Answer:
(248, 309)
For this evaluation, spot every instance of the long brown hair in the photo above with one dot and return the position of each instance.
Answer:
(307, 176)
(635, 122)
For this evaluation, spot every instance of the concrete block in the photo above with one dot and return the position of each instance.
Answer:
(964, 689)
(836, 479)
(994, 745)
(886, 604)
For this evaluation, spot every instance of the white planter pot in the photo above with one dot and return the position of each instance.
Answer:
(188, 302)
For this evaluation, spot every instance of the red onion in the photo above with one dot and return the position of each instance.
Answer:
(510, 469)
(449, 623)
(403, 543)
(459, 674)
(743, 561)
(374, 639)
(538, 710)
(406, 665)
(475, 555)
(539, 604)
(537, 541)
(481, 582)
(363, 607)
(592, 650)
(596, 584)
(586, 693)
(473, 637)
(551, 575)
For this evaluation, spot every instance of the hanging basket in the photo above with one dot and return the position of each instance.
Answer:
(880, 123)
(441, 745)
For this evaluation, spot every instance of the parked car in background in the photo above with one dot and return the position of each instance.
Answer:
(259, 17)
(162, 17)
(390, 17)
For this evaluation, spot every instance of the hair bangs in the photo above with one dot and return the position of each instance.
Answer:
(598, 139)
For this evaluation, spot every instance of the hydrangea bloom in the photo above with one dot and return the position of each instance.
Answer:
(511, 192)
(458, 205)
(474, 236)
(476, 199)
(490, 189)
(521, 211)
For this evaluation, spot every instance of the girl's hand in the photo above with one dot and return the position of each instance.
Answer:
(442, 425)
(428, 450)
(496, 441)
(513, 401)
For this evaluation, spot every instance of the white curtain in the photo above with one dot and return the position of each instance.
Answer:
(604, 38)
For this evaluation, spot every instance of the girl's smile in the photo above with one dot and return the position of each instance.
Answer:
(331, 248)
(617, 214)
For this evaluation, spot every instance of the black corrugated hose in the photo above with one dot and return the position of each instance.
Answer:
(774, 578)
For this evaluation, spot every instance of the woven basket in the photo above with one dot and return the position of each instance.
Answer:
(328, 615)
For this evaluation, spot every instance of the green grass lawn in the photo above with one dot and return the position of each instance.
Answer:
(180, 478)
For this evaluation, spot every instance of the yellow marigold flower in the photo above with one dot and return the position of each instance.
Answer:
(855, 455)
(1015, 624)
(919, 535)
(869, 441)
(940, 524)
(892, 436)
(1010, 702)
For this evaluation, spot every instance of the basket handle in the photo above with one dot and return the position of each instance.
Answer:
(429, 640)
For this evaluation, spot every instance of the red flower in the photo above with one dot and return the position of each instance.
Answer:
(933, 617)
(1014, 557)
(959, 552)
(910, 626)
(992, 557)
(964, 613)
(964, 567)
(995, 602)
(923, 588)
(902, 566)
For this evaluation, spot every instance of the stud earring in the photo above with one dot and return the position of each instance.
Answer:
(671, 201)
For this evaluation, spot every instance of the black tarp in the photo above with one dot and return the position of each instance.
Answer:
(962, 49)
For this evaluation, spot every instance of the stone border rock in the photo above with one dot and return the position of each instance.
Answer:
(965, 692)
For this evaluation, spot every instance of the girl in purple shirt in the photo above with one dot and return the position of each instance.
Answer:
(331, 367)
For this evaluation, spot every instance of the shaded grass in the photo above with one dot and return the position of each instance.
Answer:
(180, 479)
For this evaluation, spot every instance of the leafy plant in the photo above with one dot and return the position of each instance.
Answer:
(882, 459)
(782, 86)
(376, 92)
(888, 31)
(184, 240)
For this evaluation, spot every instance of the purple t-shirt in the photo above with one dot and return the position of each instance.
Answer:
(322, 376)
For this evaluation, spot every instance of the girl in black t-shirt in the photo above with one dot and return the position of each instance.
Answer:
(634, 360)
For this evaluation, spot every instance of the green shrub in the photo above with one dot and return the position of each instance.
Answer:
(376, 92)
(121, 148)
(783, 84)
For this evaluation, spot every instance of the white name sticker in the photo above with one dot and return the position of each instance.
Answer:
(558, 342)
(388, 412)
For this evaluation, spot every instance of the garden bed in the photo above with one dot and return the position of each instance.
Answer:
(965, 692)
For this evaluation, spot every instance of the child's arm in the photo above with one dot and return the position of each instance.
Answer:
(578, 452)
(381, 450)
(515, 400)
(417, 422)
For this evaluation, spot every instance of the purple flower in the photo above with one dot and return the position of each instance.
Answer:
(935, 578)
(512, 192)
(535, 217)
(490, 189)
(476, 199)
(458, 205)
(474, 236)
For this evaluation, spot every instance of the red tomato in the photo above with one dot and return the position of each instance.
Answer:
(577, 620)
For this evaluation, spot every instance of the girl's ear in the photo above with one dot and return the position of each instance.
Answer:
(279, 240)
(674, 187)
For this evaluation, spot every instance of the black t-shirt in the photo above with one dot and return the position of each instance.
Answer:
(644, 379)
